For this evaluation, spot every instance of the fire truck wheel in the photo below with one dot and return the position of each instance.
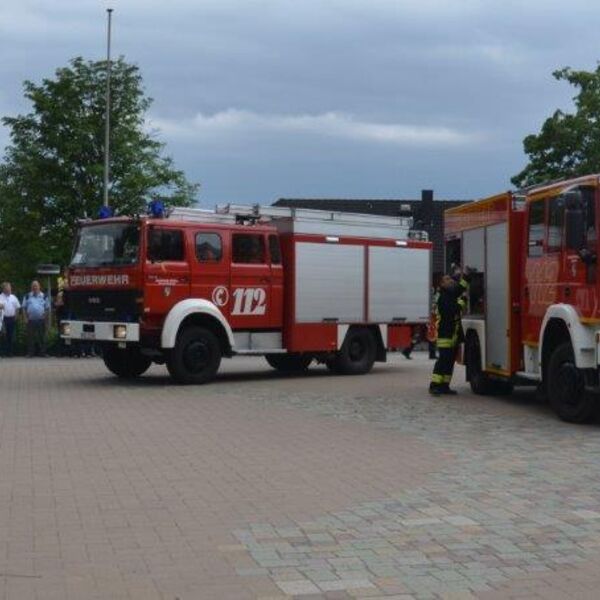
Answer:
(357, 354)
(127, 363)
(480, 383)
(289, 363)
(566, 387)
(196, 356)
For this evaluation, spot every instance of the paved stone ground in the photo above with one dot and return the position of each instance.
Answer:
(258, 486)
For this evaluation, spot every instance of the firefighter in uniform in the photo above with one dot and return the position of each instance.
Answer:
(432, 325)
(449, 306)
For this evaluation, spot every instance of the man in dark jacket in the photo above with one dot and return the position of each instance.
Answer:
(450, 304)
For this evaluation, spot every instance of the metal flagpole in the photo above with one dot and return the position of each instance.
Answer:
(107, 108)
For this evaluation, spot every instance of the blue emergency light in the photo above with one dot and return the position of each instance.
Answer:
(156, 209)
(105, 212)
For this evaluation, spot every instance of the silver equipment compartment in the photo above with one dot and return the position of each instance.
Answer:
(399, 284)
(497, 294)
(474, 249)
(329, 282)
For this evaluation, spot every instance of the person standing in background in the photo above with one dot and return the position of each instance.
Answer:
(35, 309)
(10, 306)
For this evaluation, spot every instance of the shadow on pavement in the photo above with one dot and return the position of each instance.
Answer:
(155, 377)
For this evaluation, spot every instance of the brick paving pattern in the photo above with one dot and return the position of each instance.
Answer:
(264, 487)
(519, 500)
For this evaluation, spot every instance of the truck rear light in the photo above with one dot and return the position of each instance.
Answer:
(120, 332)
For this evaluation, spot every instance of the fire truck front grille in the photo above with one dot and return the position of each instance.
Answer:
(107, 305)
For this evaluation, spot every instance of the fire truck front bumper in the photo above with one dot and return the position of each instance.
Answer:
(99, 331)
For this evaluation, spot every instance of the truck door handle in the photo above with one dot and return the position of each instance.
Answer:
(567, 291)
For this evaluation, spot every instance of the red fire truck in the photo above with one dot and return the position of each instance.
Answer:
(193, 286)
(534, 313)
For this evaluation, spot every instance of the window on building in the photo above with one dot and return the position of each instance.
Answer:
(536, 228)
(274, 250)
(556, 218)
(209, 247)
(165, 245)
(248, 248)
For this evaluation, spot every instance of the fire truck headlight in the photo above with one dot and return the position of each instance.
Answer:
(120, 332)
(65, 329)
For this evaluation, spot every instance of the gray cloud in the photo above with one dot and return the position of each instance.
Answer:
(261, 98)
(221, 126)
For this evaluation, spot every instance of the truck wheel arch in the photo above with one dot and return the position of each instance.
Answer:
(561, 324)
(199, 312)
(476, 327)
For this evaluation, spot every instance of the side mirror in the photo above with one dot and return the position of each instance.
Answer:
(575, 229)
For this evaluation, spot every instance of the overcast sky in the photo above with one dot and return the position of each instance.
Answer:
(259, 99)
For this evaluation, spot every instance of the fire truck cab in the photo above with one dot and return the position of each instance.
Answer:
(295, 286)
(534, 313)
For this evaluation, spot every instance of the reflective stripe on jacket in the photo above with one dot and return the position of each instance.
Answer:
(450, 305)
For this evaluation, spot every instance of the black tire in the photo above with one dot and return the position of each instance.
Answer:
(566, 387)
(357, 354)
(481, 384)
(196, 356)
(290, 364)
(127, 363)
(330, 364)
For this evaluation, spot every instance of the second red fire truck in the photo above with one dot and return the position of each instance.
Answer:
(534, 298)
(190, 287)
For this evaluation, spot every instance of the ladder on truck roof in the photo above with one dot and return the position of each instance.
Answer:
(305, 220)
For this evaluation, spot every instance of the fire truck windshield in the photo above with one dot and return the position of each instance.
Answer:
(111, 244)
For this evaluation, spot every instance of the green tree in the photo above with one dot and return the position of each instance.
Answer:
(52, 172)
(568, 144)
